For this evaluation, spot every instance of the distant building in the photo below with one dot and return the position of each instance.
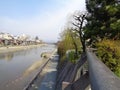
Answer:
(23, 39)
(6, 38)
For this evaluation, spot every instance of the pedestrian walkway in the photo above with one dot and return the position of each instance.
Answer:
(49, 80)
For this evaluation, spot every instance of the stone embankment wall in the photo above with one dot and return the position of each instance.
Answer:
(73, 76)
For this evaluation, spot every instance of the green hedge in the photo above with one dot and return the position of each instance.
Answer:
(109, 52)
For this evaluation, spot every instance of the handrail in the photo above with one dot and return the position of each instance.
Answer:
(101, 77)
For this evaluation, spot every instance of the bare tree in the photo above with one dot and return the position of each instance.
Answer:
(78, 22)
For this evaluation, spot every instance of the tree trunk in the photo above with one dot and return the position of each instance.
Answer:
(76, 50)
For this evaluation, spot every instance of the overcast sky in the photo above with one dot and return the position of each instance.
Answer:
(42, 18)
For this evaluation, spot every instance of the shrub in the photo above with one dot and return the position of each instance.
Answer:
(109, 52)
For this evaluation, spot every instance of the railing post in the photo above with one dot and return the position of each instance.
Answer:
(64, 85)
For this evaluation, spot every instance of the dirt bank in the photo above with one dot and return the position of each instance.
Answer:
(18, 48)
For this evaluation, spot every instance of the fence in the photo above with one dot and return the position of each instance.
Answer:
(97, 77)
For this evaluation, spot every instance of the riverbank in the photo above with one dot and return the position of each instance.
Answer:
(21, 67)
(46, 79)
(18, 48)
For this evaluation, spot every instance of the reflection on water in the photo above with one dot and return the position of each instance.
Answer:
(7, 56)
(13, 65)
(10, 55)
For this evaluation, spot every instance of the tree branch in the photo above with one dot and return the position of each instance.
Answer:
(77, 18)
(76, 30)
(75, 25)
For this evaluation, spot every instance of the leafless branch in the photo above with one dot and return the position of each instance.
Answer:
(77, 18)
(76, 30)
(75, 25)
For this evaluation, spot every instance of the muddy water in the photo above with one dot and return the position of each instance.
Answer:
(13, 66)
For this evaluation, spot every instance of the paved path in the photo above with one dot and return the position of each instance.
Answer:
(49, 80)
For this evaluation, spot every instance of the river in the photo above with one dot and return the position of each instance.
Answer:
(13, 65)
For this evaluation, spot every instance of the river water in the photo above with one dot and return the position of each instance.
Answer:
(13, 66)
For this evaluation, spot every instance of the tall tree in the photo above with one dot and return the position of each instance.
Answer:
(36, 38)
(103, 30)
(75, 42)
(103, 19)
(69, 40)
(65, 42)
(78, 22)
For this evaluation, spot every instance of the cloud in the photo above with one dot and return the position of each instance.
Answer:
(47, 25)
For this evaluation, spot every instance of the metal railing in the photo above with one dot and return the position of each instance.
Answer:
(101, 77)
